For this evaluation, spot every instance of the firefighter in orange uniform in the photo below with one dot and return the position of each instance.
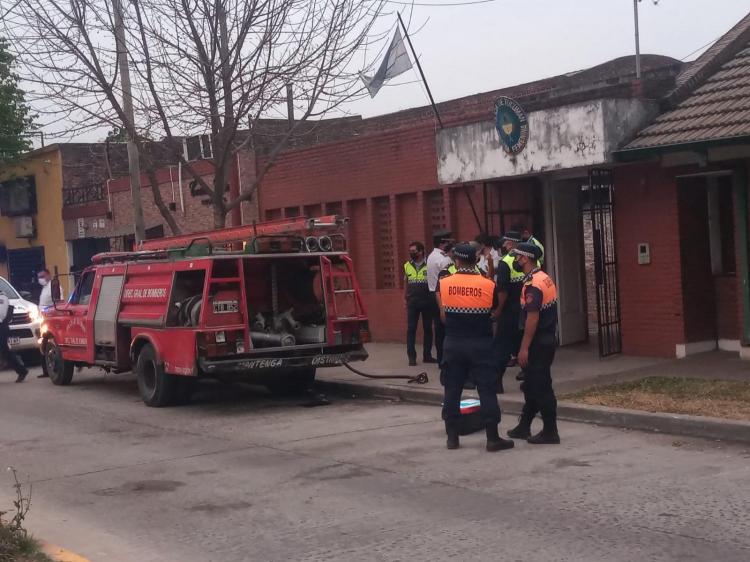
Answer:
(539, 324)
(466, 301)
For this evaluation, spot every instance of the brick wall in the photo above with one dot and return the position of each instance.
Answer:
(651, 301)
(196, 216)
(386, 183)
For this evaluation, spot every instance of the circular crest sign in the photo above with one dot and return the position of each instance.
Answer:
(512, 125)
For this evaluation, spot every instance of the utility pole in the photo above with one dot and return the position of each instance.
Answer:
(134, 165)
(637, 43)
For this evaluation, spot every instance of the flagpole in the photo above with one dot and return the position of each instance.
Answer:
(421, 73)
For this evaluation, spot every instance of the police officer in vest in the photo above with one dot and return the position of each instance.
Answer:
(527, 236)
(539, 318)
(419, 302)
(466, 301)
(509, 283)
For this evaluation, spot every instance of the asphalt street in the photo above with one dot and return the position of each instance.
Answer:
(239, 475)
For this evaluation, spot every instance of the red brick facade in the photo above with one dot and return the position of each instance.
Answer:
(676, 299)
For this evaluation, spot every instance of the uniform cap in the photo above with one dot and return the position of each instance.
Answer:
(512, 236)
(465, 251)
(526, 249)
(443, 234)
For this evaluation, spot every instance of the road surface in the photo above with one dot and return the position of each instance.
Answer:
(242, 476)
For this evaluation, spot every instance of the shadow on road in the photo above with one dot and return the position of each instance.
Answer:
(208, 395)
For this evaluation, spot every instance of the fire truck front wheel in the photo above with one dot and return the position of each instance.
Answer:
(157, 388)
(59, 370)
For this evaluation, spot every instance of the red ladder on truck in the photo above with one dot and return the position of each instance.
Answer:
(342, 287)
(302, 226)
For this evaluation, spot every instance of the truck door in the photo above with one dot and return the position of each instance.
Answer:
(75, 338)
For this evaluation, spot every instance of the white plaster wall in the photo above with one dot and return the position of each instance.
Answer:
(570, 136)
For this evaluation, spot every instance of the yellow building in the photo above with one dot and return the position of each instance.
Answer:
(31, 225)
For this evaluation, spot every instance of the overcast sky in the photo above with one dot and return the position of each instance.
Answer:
(477, 48)
(471, 48)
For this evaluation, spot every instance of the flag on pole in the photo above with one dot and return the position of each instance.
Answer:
(396, 62)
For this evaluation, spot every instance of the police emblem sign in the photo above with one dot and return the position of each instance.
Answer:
(512, 125)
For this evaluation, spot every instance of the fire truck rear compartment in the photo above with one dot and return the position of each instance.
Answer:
(285, 304)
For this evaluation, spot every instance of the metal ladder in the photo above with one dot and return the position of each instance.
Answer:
(348, 286)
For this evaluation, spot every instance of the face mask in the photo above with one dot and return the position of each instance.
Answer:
(413, 255)
(517, 266)
(43, 282)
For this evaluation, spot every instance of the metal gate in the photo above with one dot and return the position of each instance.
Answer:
(600, 198)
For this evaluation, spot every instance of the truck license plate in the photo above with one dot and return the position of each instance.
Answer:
(14, 341)
(226, 307)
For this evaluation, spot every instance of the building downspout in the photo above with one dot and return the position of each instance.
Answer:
(741, 215)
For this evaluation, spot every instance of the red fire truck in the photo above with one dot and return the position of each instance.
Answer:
(268, 303)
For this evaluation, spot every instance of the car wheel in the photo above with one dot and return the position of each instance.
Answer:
(59, 370)
(157, 388)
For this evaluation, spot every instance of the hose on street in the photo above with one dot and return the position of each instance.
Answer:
(421, 378)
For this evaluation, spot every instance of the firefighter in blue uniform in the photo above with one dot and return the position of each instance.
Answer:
(539, 319)
(466, 301)
(509, 283)
(419, 302)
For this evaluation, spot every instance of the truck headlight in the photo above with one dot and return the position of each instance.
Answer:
(221, 337)
(34, 314)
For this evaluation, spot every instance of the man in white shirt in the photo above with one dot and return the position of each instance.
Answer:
(437, 261)
(11, 359)
(44, 278)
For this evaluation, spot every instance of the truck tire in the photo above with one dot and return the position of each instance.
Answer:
(59, 370)
(298, 381)
(157, 388)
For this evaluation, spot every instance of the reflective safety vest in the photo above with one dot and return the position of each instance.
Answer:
(515, 276)
(417, 290)
(414, 275)
(538, 244)
(467, 299)
(452, 269)
(544, 283)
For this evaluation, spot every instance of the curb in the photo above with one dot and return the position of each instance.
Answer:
(673, 424)
(60, 554)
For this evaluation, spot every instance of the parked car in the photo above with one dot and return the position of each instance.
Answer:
(25, 326)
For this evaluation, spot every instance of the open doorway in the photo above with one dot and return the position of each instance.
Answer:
(710, 289)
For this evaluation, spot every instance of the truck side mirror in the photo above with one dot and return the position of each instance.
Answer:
(56, 290)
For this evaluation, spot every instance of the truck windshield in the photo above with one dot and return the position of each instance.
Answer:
(8, 289)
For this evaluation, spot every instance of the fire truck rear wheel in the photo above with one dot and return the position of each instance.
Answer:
(298, 381)
(157, 388)
(59, 370)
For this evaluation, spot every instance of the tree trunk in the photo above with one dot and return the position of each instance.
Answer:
(221, 176)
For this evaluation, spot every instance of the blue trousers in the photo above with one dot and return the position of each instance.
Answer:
(472, 359)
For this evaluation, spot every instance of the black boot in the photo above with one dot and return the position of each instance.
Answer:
(548, 435)
(523, 429)
(412, 361)
(451, 428)
(495, 442)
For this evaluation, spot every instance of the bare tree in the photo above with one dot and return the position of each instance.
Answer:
(216, 66)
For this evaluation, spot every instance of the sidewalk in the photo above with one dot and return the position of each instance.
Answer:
(575, 368)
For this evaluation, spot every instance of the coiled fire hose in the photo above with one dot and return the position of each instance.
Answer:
(421, 378)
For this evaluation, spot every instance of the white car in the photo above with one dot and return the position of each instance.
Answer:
(26, 324)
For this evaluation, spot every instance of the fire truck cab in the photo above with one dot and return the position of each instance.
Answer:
(268, 303)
